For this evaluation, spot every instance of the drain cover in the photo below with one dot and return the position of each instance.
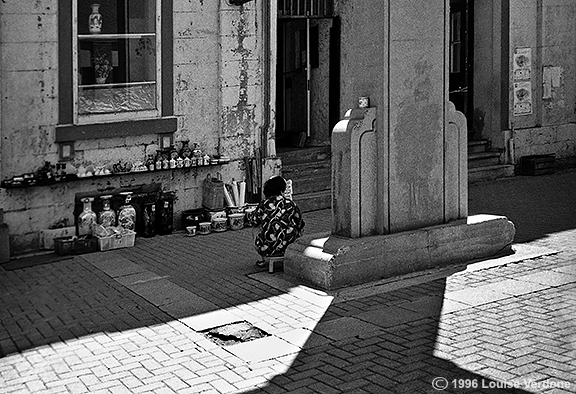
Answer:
(234, 333)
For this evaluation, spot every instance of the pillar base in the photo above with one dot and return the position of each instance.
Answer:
(331, 262)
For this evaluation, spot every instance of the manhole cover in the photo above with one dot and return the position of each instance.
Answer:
(234, 333)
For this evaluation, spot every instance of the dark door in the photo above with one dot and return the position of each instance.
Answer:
(460, 82)
(292, 82)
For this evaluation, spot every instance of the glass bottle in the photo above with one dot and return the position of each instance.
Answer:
(87, 217)
(106, 217)
(127, 213)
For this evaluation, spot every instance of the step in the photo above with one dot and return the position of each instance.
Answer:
(314, 201)
(483, 159)
(309, 184)
(306, 169)
(488, 173)
(304, 155)
(477, 146)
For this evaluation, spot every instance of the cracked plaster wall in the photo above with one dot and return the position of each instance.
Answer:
(217, 100)
(549, 28)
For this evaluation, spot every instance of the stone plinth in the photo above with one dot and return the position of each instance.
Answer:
(332, 262)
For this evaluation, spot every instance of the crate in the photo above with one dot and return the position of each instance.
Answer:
(72, 245)
(47, 236)
(537, 164)
(117, 241)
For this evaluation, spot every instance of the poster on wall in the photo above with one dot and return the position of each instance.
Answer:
(522, 98)
(522, 64)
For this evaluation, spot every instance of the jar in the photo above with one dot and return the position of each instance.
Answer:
(204, 228)
(127, 213)
(87, 217)
(106, 217)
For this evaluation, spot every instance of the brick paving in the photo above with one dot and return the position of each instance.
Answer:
(131, 320)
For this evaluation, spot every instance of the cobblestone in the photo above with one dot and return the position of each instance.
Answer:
(78, 326)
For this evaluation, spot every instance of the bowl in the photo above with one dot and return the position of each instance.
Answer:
(204, 228)
(219, 224)
(236, 221)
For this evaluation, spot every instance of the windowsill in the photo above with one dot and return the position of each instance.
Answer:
(66, 133)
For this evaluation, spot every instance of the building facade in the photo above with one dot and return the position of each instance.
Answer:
(250, 80)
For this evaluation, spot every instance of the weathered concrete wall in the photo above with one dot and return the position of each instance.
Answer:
(217, 100)
(548, 27)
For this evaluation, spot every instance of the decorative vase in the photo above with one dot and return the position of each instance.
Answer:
(100, 80)
(95, 19)
(107, 216)
(185, 151)
(127, 213)
(87, 217)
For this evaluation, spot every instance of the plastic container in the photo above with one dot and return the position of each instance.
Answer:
(72, 245)
(117, 241)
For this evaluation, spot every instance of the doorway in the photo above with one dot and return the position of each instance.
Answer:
(461, 60)
(307, 80)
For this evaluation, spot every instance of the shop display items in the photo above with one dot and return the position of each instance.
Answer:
(87, 218)
(165, 159)
(127, 213)
(106, 217)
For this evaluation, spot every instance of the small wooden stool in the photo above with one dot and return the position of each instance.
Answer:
(272, 260)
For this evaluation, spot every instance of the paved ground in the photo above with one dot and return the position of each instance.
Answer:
(131, 320)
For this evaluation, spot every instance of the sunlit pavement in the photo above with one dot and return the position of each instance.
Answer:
(131, 320)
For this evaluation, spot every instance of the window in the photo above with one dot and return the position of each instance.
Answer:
(115, 68)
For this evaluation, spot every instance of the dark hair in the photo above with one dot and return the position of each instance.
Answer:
(274, 186)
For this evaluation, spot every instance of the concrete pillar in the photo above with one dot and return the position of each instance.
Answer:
(354, 174)
(400, 177)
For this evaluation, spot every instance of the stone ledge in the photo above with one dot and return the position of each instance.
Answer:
(332, 262)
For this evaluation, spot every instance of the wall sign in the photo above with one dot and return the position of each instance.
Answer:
(522, 73)
(522, 64)
(522, 98)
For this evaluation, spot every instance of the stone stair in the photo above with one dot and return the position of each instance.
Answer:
(311, 175)
(485, 164)
(310, 171)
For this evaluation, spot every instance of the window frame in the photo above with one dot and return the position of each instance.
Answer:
(70, 127)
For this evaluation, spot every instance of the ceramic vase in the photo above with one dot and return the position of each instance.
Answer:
(127, 213)
(95, 19)
(185, 151)
(87, 217)
(107, 216)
